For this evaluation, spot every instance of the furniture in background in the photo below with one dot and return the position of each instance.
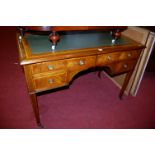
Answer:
(47, 68)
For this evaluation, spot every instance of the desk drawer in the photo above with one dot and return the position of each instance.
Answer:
(48, 66)
(77, 65)
(81, 63)
(50, 81)
(128, 55)
(117, 56)
(123, 66)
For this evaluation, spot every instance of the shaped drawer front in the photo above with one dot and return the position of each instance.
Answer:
(81, 63)
(48, 66)
(77, 65)
(123, 66)
(129, 55)
(116, 56)
(50, 81)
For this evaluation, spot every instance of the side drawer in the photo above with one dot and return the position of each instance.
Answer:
(123, 66)
(117, 56)
(48, 66)
(128, 55)
(50, 81)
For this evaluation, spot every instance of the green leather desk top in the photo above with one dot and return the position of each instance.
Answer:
(70, 41)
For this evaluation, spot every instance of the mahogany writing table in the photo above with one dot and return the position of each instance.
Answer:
(47, 68)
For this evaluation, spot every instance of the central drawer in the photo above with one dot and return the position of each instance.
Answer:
(81, 63)
(76, 65)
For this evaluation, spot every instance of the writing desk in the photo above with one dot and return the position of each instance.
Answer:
(47, 68)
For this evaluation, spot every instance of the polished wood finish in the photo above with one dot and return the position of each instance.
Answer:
(35, 108)
(44, 82)
(117, 56)
(54, 37)
(72, 28)
(49, 66)
(76, 65)
(52, 70)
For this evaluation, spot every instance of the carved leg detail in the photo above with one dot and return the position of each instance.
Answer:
(116, 34)
(54, 37)
(125, 84)
(35, 108)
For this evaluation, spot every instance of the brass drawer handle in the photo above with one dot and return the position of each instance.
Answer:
(50, 81)
(50, 67)
(109, 57)
(81, 62)
(125, 66)
(100, 49)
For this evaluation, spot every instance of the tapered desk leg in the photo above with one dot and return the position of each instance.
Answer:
(125, 84)
(35, 108)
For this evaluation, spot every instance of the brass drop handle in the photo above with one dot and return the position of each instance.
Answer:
(125, 66)
(81, 62)
(50, 81)
(50, 67)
